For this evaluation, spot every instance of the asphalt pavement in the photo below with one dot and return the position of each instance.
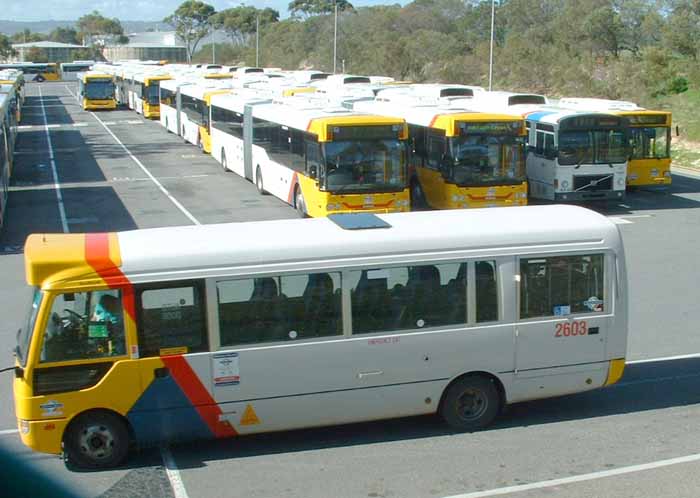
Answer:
(117, 171)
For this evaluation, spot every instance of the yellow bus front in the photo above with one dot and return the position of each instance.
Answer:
(98, 92)
(479, 163)
(51, 73)
(150, 94)
(650, 156)
(360, 164)
(205, 126)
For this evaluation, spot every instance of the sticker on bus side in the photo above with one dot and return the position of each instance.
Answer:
(226, 369)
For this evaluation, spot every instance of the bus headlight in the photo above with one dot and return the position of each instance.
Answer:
(654, 172)
(620, 181)
(24, 426)
(332, 207)
(667, 174)
(565, 185)
(521, 195)
(402, 203)
(633, 176)
(457, 198)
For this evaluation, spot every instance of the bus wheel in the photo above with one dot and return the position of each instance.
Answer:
(259, 182)
(96, 440)
(470, 403)
(299, 202)
(223, 160)
(417, 197)
(39, 78)
(167, 127)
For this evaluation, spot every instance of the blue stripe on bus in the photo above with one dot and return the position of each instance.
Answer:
(538, 115)
(163, 413)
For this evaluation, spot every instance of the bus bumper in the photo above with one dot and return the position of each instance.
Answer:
(593, 195)
(615, 371)
(44, 436)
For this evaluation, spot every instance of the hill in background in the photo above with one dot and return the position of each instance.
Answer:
(12, 27)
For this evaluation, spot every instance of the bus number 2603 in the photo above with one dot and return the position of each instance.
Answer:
(567, 329)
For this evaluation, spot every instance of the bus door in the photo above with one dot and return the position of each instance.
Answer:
(564, 314)
(176, 402)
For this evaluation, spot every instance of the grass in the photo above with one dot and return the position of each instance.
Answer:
(686, 113)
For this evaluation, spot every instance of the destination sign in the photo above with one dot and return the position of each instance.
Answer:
(592, 122)
(647, 119)
(492, 128)
(374, 132)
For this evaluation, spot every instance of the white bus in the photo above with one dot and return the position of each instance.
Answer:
(318, 158)
(267, 326)
(70, 70)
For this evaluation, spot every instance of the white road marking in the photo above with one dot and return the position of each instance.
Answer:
(80, 124)
(129, 179)
(173, 473)
(56, 184)
(148, 173)
(110, 123)
(580, 478)
(7, 432)
(664, 358)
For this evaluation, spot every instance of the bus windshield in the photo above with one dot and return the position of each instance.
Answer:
(364, 165)
(487, 160)
(592, 147)
(152, 94)
(25, 334)
(650, 143)
(99, 89)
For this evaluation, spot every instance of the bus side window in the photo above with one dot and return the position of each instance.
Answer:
(313, 159)
(561, 285)
(539, 143)
(486, 291)
(172, 319)
(436, 150)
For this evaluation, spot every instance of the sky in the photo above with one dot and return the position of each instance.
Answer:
(129, 10)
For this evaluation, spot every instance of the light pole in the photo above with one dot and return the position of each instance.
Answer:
(257, 41)
(493, 18)
(335, 37)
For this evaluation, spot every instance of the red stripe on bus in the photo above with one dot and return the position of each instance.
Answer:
(198, 395)
(97, 256)
(432, 121)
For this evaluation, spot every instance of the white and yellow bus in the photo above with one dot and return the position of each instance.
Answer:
(193, 110)
(461, 158)
(15, 80)
(319, 159)
(8, 133)
(650, 135)
(177, 333)
(70, 70)
(96, 91)
(35, 71)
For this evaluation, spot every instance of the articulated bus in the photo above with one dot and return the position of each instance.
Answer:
(96, 90)
(36, 71)
(171, 334)
(144, 94)
(170, 102)
(194, 111)
(10, 123)
(319, 159)
(461, 158)
(8, 131)
(70, 70)
(650, 155)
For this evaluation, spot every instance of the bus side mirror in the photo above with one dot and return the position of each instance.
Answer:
(313, 171)
(19, 373)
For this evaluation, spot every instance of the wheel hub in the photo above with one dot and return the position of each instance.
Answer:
(96, 441)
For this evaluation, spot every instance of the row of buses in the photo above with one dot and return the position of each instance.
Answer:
(181, 333)
(11, 101)
(323, 143)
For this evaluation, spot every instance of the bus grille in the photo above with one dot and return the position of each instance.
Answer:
(593, 182)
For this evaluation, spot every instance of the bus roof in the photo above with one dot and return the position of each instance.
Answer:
(64, 261)
(555, 115)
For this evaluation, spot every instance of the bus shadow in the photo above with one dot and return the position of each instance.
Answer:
(645, 386)
(34, 107)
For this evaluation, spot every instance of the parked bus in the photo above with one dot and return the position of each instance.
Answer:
(193, 111)
(14, 79)
(96, 90)
(174, 333)
(461, 158)
(35, 71)
(8, 131)
(170, 102)
(319, 159)
(70, 70)
(650, 155)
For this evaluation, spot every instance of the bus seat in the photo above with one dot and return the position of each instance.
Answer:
(371, 304)
(320, 307)
(487, 301)
(423, 297)
(456, 296)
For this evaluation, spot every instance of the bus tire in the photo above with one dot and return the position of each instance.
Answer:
(417, 196)
(470, 403)
(167, 126)
(259, 182)
(96, 439)
(224, 165)
(299, 202)
(39, 78)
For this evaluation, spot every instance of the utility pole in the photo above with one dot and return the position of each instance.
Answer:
(213, 47)
(493, 18)
(335, 38)
(257, 41)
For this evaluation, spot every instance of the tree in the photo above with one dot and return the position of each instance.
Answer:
(192, 21)
(96, 24)
(239, 23)
(6, 49)
(36, 54)
(26, 36)
(65, 35)
(305, 8)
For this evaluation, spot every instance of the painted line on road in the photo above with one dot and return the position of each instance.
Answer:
(173, 473)
(664, 358)
(7, 432)
(56, 184)
(148, 173)
(581, 478)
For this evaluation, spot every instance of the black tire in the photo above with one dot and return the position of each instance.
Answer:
(417, 197)
(224, 164)
(167, 126)
(259, 182)
(96, 440)
(470, 403)
(299, 203)
(39, 78)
